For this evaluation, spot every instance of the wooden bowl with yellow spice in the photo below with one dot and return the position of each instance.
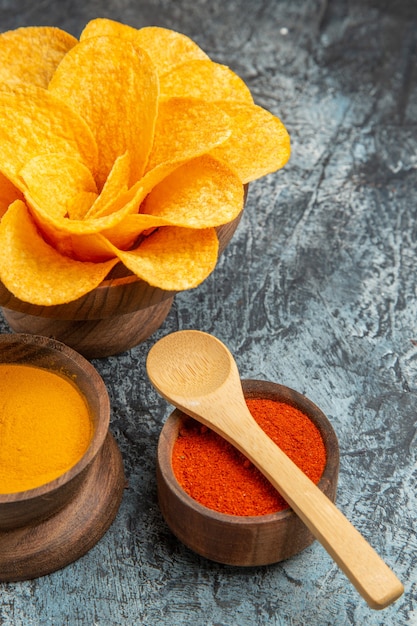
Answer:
(61, 472)
(218, 504)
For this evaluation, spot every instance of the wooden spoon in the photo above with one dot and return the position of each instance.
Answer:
(196, 373)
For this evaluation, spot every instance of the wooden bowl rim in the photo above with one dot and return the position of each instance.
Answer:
(252, 388)
(121, 292)
(72, 360)
(115, 295)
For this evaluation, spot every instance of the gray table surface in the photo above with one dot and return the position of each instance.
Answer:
(317, 291)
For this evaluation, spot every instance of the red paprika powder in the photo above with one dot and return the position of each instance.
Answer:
(220, 477)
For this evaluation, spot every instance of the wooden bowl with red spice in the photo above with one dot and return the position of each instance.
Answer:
(218, 504)
(61, 472)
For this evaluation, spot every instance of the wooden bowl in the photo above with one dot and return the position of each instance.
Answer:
(45, 528)
(241, 540)
(119, 314)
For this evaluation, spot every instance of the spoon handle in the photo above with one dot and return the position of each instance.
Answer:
(374, 580)
(197, 373)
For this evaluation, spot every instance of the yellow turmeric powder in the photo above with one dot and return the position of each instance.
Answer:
(45, 426)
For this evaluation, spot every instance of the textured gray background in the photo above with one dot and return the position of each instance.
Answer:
(316, 291)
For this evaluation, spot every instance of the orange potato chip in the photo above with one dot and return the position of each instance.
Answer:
(126, 202)
(34, 122)
(127, 234)
(113, 199)
(117, 183)
(206, 80)
(187, 128)
(35, 272)
(115, 88)
(165, 47)
(64, 233)
(124, 232)
(8, 194)
(203, 193)
(92, 248)
(173, 258)
(80, 204)
(135, 194)
(56, 226)
(259, 144)
(102, 26)
(121, 226)
(30, 55)
(200, 194)
(130, 145)
(54, 179)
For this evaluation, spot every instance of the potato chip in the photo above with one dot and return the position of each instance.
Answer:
(259, 144)
(165, 47)
(57, 226)
(54, 180)
(202, 193)
(168, 48)
(173, 258)
(114, 87)
(129, 146)
(92, 248)
(122, 225)
(116, 184)
(136, 193)
(8, 194)
(64, 233)
(102, 26)
(115, 196)
(206, 80)
(80, 204)
(34, 271)
(195, 127)
(31, 54)
(128, 233)
(34, 123)
(125, 232)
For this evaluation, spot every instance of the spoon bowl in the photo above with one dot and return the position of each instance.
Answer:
(196, 373)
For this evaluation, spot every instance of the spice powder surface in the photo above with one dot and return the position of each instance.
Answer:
(45, 426)
(220, 477)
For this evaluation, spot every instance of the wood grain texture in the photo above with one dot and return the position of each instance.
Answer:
(317, 291)
(95, 338)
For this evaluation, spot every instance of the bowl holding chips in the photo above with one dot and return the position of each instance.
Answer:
(124, 157)
(117, 315)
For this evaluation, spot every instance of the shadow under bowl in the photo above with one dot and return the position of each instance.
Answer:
(45, 528)
(242, 540)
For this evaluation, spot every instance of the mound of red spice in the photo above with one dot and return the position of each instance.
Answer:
(220, 477)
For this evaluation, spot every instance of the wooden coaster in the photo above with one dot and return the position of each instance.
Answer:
(34, 551)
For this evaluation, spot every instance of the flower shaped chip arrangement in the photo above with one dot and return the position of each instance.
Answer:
(125, 146)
